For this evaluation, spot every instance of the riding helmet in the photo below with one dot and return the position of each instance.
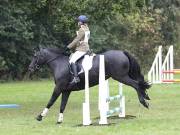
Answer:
(82, 18)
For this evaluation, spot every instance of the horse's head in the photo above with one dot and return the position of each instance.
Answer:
(37, 60)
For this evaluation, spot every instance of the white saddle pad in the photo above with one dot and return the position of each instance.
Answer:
(87, 63)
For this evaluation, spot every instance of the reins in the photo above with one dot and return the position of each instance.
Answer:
(37, 66)
(52, 59)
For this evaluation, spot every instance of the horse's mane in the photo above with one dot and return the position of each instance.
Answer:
(56, 50)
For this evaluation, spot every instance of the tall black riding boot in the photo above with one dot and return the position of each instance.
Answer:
(74, 70)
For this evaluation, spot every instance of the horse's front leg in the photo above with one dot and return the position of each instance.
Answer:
(54, 96)
(65, 96)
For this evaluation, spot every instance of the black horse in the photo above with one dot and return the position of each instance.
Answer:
(119, 65)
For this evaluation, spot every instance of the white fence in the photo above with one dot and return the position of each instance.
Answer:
(155, 75)
(168, 65)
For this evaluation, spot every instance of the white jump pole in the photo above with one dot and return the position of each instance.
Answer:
(154, 75)
(86, 106)
(168, 65)
(172, 61)
(103, 105)
(108, 93)
(121, 101)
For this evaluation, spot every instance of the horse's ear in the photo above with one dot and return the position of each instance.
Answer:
(40, 47)
(36, 49)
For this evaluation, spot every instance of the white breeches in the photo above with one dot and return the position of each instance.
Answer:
(75, 56)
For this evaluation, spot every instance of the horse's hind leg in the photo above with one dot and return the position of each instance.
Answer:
(64, 99)
(53, 98)
(128, 81)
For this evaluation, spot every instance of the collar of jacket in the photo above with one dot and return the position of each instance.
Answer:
(84, 25)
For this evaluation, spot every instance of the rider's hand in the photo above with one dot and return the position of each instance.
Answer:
(67, 51)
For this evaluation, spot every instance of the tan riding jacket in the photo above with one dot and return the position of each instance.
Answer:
(80, 43)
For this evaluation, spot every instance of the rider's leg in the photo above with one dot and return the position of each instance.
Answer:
(72, 61)
(74, 70)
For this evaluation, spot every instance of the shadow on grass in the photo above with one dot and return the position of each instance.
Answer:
(94, 124)
(127, 117)
(117, 117)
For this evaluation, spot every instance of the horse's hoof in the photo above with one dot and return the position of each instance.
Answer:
(39, 117)
(58, 122)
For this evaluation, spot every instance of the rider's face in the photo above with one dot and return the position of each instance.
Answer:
(79, 24)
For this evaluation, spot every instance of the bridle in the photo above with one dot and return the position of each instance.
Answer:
(36, 65)
(38, 55)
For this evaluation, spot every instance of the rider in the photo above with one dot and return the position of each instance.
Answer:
(80, 44)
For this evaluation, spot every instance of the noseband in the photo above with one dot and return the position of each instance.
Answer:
(36, 65)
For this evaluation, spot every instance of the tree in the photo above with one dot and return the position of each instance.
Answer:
(137, 26)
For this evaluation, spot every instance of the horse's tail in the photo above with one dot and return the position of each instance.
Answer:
(135, 73)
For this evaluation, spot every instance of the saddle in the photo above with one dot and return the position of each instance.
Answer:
(79, 62)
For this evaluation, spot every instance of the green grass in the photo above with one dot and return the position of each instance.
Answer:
(163, 117)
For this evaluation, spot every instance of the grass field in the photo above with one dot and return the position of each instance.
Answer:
(163, 117)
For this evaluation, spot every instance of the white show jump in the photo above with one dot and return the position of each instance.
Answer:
(104, 98)
(86, 107)
(163, 71)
